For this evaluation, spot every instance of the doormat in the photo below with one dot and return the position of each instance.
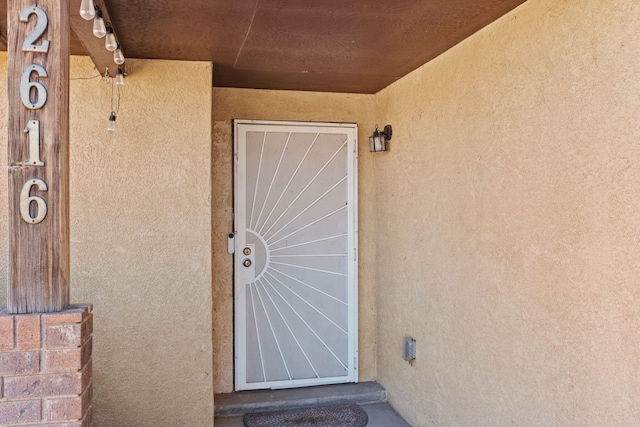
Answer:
(327, 416)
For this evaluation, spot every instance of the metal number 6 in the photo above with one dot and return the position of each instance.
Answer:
(26, 84)
(26, 199)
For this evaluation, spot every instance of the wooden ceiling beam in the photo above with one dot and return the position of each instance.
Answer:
(101, 57)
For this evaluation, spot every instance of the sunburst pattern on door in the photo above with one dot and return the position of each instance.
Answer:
(295, 258)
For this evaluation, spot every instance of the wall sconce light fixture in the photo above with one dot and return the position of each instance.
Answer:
(378, 141)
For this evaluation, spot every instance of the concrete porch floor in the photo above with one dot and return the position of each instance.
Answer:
(369, 395)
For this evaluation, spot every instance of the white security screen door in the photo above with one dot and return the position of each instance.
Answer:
(295, 254)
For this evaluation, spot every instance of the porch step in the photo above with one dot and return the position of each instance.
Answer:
(245, 402)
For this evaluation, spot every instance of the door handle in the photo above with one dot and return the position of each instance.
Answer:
(231, 243)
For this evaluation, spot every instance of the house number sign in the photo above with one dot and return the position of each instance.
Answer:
(33, 94)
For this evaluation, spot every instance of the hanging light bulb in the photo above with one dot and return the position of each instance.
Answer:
(99, 29)
(118, 57)
(111, 126)
(119, 77)
(110, 42)
(87, 9)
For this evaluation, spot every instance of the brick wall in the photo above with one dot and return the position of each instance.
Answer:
(45, 368)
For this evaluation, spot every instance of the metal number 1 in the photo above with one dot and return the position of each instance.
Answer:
(33, 129)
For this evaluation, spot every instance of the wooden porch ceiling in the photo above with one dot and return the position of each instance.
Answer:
(352, 46)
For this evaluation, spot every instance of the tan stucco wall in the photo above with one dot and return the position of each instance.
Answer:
(501, 230)
(141, 239)
(299, 106)
(509, 239)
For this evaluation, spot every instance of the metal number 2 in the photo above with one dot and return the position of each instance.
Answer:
(26, 199)
(42, 21)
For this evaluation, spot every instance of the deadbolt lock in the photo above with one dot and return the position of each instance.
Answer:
(246, 262)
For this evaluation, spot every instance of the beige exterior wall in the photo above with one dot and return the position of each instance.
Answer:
(299, 106)
(501, 230)
(509, 237)
(141, 239)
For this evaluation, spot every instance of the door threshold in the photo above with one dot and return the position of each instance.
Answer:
(244, 402)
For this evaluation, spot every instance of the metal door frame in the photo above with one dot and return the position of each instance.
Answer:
(239, 300)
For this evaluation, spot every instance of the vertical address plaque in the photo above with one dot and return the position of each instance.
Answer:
(38, 155)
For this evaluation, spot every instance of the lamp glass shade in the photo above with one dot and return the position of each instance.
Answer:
(377, 142)
(110, 42)
(111, 124)
(119, 77)
(87, 9)
(99, 28)
(118, 57)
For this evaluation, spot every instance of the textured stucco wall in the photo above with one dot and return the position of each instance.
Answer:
(141, 239)
(299, 106)
(506, 239)
(509, 236)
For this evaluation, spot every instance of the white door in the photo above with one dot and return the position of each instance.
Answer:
(295, 254)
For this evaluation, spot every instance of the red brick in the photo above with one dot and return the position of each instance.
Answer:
(22, 411)
(75, 313)
(63, 360)
(86, 421)
(87, 326)
(43, 385)
(69, 336)
(69, 409)
(19, 362)
(64, 336)
(86, 375)
(6, 331)
(28, 331)
(62, 424)
(72, 359)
